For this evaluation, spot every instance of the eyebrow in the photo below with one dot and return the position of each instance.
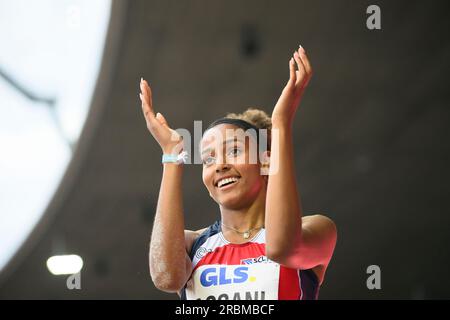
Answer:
(229, 140)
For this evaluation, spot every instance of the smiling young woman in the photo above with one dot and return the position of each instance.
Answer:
(261, 247)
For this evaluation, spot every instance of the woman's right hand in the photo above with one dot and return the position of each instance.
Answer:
(169, 140)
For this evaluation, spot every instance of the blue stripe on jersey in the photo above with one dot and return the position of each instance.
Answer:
(212, 230)
(310, 284)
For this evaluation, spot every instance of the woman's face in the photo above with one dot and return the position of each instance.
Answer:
(231, 170)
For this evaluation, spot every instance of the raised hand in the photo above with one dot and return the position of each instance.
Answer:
(287, 104)
(169, 140)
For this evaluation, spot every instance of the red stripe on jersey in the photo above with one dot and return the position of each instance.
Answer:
(233, 253)
(289, 286)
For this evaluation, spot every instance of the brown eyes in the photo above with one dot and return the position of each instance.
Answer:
(234, 152)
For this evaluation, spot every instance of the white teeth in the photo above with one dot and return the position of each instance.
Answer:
(227, 180)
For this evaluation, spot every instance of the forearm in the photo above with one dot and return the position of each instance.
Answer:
(167, 245)
(283, 219)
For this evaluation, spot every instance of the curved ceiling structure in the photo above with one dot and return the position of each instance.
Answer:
(370, 136)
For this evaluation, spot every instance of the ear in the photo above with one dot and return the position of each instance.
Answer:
(265, 156)
(265, 163)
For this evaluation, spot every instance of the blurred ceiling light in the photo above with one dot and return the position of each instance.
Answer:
(68, 264)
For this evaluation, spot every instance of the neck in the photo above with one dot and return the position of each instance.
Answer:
(245, 218)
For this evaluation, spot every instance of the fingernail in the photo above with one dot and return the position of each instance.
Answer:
(140, 95)
(142, 79)
(301, 48)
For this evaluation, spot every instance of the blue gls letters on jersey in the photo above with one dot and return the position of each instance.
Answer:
(217, 276)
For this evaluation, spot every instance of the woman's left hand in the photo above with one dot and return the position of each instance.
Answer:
(284, 111)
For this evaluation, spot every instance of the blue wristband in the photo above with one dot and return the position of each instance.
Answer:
(175, 158)
(168, 158)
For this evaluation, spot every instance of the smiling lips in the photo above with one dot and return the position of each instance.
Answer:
(227, 181)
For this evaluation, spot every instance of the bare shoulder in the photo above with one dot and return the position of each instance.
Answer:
(318, 219)
(317, 216)
(190, 236)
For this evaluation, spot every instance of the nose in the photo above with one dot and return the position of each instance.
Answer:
(221, 164)
(222, 167)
